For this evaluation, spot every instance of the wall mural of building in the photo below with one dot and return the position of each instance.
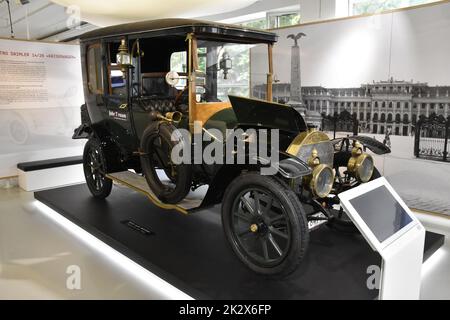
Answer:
(388, 70)
(363, 66)
(379, 106)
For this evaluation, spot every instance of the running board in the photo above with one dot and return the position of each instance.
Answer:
(138, 183)
(192, 201)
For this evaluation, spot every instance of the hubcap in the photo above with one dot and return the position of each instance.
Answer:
(254, 228)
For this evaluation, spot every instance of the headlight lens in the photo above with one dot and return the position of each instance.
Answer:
(322, 181)
(362, 167)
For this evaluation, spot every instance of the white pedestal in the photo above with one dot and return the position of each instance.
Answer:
(401, 267)
(50, 178)
(390, 228)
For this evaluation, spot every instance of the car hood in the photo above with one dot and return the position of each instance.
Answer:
(260, 113)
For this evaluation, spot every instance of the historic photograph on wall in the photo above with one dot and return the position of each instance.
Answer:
(386, 76)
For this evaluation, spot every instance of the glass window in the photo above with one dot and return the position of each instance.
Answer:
(256, 24)
(274, 20)
(178, 63)
(94, 72)
(288, 20)
(117, 80)
(224, 69)
(376, 6)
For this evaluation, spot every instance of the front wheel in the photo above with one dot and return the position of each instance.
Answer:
(94, 165)
(265, 224)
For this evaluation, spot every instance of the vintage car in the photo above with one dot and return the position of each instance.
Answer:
(146, 81)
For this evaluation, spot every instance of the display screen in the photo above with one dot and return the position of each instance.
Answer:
(381, 212)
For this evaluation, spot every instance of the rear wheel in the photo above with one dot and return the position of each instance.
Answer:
(265, 224)
(94, 165)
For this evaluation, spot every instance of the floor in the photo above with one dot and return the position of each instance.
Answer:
(42, 256)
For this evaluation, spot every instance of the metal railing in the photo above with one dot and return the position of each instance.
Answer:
(432, 138)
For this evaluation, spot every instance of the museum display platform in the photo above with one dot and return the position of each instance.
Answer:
(191, 253)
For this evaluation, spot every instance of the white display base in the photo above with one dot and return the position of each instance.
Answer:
(402, 250)
(402, 265)
(50, 178)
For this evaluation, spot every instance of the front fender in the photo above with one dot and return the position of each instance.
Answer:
(293, 168)
(84, 131)
(374, 145)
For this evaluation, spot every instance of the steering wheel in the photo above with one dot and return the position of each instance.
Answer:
(135, 90)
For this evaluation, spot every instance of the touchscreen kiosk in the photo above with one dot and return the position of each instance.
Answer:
(390, 228)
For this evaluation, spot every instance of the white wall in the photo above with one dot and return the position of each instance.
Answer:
(350, 52)
(41, 91)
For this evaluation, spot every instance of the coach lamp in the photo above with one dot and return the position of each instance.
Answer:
(225, 64)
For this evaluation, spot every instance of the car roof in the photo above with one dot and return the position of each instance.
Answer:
(177, 26)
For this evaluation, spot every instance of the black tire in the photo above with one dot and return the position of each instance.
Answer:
(285, 215)
(94, 166)
(156, 144)
(341, 221)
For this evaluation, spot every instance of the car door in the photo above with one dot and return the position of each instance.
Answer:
(119, 116)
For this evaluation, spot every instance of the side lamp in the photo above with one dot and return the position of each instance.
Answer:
(123, 57)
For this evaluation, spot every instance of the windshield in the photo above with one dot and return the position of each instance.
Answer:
(224, 69)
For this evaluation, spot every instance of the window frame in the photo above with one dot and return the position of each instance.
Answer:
(98, 69)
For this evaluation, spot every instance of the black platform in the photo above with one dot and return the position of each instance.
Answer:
(191, 253)
(49, 163)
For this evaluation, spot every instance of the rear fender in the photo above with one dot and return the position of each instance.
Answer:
(220, 182)
(113, 155)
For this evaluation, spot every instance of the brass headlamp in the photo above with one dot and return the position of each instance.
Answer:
(360, 164)
(322, 178)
